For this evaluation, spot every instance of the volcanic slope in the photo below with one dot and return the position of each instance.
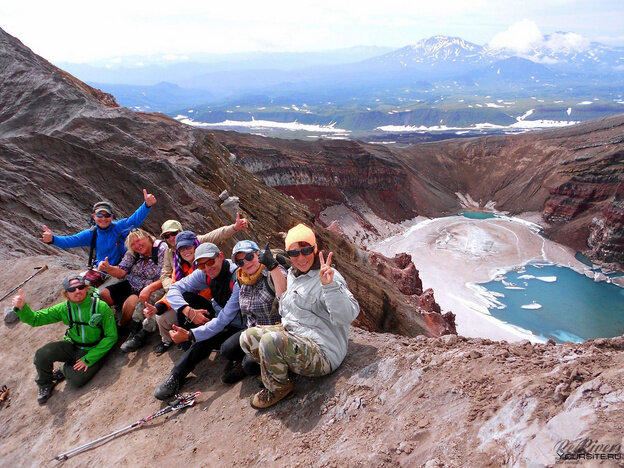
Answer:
(67, 145)
(573, 176)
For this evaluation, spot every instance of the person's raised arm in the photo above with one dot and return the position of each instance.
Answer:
(277, 274)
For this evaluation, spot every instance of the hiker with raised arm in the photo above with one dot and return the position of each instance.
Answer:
(179, 264)
(262, 280)
(211, 263)
(317, 309)
(106, 238)
(91, 333)
(139, 271)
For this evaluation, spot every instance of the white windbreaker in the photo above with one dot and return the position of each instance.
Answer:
(321, 313)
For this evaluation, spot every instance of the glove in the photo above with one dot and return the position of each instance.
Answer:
(267, 259)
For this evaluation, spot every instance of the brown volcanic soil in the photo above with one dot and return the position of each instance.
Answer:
(395, 401)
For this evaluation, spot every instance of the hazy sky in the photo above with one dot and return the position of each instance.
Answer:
(83, 31)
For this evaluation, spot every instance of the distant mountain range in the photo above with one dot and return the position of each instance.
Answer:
(438, 81)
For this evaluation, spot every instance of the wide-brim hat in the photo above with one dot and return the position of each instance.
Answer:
(171, 225)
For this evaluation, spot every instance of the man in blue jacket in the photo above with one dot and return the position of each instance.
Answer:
(110, 234)
(212, 266)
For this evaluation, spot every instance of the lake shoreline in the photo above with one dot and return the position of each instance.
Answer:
(455, 254)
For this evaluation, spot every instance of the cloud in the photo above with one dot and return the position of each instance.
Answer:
(567, 42)
(525, 35)
(521, 37)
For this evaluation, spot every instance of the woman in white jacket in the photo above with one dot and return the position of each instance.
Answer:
(317, 310)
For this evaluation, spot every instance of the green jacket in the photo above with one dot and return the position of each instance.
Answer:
(104, 334)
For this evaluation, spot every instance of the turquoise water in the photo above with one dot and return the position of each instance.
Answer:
(574, 307)
(477, 214)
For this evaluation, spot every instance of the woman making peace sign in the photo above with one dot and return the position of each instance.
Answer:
(316, 308)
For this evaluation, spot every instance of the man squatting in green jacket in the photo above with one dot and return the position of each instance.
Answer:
(91, 334)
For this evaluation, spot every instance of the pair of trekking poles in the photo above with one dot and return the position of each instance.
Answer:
(181, 402)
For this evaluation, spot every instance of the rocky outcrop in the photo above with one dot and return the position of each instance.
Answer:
(401, 272)
(606, 233)
(63, 147)
(570, 174)
(325, 173)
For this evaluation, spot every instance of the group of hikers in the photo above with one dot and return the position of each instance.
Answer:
(262, 318)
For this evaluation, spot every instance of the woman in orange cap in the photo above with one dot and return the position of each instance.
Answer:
(317, 309)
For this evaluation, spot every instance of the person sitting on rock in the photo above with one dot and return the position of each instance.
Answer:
(210, 336)
(184, 260)
(317, 309)
(261, 279)
(140, 271)
(109, 233)
(172, 271)
(91, 334)
(171, 228)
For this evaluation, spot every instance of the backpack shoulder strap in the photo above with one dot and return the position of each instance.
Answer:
(70, 315)
(93, 229)
(156, 251)
(269, 281)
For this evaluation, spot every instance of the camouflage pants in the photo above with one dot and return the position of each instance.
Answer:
(149, 324)
(279, 351)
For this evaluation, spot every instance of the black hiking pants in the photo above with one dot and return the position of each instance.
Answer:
(199, 351)
(232, 351)
(66, 352)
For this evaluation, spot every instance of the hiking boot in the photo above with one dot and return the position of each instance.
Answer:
(162, 348)
(134, 342)
(168, 388)
(43, 394)
(265, 398)
(233, 373)
(57, 375)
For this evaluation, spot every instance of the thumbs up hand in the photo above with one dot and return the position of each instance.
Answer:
(47, 236)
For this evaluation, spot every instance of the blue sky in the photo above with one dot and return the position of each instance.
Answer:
(86, 31)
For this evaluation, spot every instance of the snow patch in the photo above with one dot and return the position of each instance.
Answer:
(265, 125)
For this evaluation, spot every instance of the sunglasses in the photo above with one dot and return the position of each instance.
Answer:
(305, 251)
(73, 288)
(103, 215)
(206, 262)
(167, 235)
(249, 257)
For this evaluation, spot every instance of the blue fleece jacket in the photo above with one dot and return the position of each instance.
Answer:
(110, 241)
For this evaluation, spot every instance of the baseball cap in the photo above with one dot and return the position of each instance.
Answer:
(185, 239)
(70, 278)
(206, 250)
(103, 206)
(244, 246)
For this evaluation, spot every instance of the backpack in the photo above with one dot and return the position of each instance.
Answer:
(94, 230)
(95, 317)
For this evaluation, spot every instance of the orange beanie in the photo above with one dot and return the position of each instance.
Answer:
(300, 233)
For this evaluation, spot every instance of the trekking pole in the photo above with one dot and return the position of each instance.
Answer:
(39, 270)
(180, 403)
